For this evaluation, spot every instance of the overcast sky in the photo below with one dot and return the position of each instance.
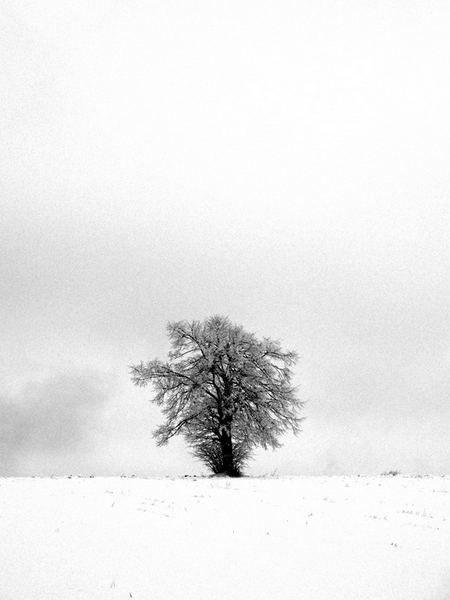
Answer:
(283, 163)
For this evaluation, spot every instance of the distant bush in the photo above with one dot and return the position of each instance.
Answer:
(390, 473)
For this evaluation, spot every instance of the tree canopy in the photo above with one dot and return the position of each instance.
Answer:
(224, 390)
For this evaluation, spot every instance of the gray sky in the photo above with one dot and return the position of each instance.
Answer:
(282, 163)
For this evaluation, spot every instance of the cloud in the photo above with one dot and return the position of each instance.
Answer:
(56, 417)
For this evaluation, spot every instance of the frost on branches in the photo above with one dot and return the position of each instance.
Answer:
(226, 391)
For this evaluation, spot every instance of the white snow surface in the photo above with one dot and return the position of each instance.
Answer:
(310, 538)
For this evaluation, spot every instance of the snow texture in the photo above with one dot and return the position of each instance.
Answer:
(337, 538)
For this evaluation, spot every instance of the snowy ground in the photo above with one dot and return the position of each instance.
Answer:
(306, 538)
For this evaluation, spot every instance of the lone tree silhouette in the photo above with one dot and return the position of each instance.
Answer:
(226, 391)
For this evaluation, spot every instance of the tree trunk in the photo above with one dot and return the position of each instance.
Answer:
(226, 444)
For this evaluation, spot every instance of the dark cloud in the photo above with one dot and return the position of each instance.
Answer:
(55, 417)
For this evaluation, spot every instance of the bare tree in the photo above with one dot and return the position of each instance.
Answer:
(226, 391)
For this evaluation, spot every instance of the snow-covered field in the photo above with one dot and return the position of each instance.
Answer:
(310, 538)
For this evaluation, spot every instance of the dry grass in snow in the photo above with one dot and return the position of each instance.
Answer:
(308, 538)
